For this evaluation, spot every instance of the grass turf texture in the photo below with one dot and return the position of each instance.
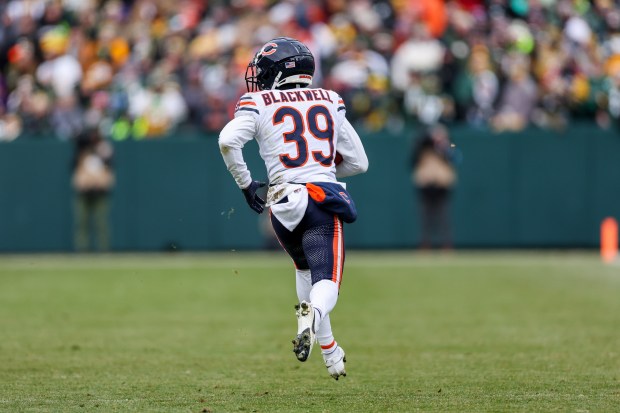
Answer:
(197, 333)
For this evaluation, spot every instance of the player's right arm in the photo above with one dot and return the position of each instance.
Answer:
(239, 131)
(233, 138)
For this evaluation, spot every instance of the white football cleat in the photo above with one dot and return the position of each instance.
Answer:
(303, 342)
(335, 363)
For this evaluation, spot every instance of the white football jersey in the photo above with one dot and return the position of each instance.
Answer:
(297, 132)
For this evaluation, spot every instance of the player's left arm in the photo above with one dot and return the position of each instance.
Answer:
(350, 148)
(350, 156)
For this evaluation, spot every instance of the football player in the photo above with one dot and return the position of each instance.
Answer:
(306, 143)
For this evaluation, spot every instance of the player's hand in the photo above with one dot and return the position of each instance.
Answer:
(254, 201)
(338, 158)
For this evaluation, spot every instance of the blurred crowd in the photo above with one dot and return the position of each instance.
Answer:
(149, 68)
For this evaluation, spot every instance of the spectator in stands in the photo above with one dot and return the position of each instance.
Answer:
(60, 72)
(477, 87)
(93, 179)
(31, 104)
(518, 97)
(160, 106)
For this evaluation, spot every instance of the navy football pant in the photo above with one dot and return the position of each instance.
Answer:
(317, 243)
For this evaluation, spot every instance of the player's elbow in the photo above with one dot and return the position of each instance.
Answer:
(224, 148)
(225, 144)
(363, 165)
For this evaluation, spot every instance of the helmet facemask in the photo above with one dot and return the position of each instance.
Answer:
(257, 78)
(251, 77)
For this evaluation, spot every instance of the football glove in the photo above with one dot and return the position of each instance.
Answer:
(254, 201)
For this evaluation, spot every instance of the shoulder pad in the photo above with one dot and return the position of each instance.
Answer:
(246, 103)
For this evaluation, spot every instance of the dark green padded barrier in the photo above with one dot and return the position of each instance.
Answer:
(530, 189)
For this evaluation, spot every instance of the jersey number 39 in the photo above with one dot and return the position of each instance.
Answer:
(296, 135)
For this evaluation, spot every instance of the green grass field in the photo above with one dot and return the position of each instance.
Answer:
(463, 332)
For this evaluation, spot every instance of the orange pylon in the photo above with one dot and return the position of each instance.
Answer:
(609, 239)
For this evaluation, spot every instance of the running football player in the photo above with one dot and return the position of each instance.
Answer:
(307, 144)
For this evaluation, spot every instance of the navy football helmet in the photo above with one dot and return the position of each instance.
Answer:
(282, 63)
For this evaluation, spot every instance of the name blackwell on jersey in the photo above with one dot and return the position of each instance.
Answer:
(309, 95)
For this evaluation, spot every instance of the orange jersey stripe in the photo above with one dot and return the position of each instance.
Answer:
(338, 249)
(341, 253)
(247, 103)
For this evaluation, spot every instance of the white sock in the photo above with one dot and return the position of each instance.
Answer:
(303, 283)
(323, 297)
(325, 337)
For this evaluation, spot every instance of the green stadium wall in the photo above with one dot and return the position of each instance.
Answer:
(516, 190)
